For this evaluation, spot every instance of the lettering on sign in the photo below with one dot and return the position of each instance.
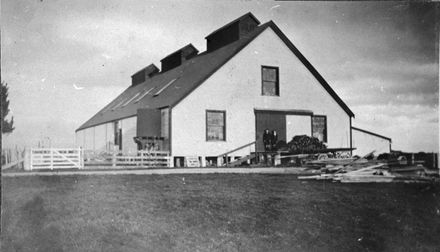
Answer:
(192, 162)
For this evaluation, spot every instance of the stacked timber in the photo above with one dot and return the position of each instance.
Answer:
(362, 170)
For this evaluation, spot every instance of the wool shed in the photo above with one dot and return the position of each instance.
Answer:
(250, 78)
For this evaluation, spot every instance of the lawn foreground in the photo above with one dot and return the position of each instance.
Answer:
(216, 212)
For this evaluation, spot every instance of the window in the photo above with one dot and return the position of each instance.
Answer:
(215, 125)
(319, 128)
(270, 82)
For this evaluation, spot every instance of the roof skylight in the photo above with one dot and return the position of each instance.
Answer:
(132, 98)
(144, 94)
(119, 104)
(164, 87)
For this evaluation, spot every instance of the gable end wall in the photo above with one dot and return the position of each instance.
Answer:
(236, 88)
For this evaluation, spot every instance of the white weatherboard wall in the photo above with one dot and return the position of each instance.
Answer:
(128, 133)
(101, 137)
(236, 88)
(110, 136)
(79, 138)
(366, 143)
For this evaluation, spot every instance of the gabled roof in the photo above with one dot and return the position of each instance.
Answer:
(371, 133)
(187, 77)
(311, 68)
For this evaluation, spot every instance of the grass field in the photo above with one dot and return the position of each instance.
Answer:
(216, 212)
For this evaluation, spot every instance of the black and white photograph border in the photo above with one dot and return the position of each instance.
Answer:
(220, 126)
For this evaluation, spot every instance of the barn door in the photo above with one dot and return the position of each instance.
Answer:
(272, 121)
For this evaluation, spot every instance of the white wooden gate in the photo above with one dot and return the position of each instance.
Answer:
(56, 158)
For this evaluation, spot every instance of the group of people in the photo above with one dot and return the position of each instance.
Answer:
(270, 139)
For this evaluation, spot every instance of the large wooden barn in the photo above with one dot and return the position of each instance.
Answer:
(250, 78)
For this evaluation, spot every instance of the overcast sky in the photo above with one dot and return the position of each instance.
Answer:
(65, 60)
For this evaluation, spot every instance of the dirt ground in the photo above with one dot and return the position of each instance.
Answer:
(216, 212)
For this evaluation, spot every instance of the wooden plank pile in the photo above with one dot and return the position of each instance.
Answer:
(363, 170)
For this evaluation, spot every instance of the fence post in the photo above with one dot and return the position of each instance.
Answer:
(27, 162)
(114, 158)
(81, 157)
(436, 162)
(170, 161)
(51, 158)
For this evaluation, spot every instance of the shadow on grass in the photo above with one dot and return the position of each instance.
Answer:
(36, 236)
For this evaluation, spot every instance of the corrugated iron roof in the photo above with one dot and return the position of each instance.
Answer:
(189, 76)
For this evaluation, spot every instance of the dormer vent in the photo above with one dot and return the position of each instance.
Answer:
(144, 74)
(231, 32)
(178, 57)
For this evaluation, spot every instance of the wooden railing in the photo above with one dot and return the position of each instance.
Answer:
(118, 159)
(12, 157)
(234, 150)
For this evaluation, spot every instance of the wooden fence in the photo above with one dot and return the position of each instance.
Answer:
(56, 158)
(140, 159)
(12, 157)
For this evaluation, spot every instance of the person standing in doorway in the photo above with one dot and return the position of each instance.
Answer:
(274, 139)
(267, 140)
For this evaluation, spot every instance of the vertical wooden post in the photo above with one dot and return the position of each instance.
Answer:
(203, 161)
(27, 162)
(277, 159)
(114, 158)
(170, 161)
(140, 154)
(219, 161)
(436, 162)
(81, 157)
(51, 158)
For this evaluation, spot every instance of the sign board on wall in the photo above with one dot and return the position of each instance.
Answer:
(192, 162)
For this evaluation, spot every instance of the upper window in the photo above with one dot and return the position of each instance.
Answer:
(319, 128)
(270, 82)
(215, 125)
